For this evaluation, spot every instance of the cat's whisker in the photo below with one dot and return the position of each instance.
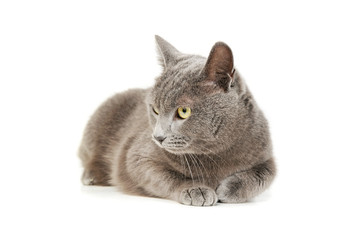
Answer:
(210, 151)
(195, 163)
(207, 156)
(189, 167)
(216, 155)
(216, 164)
(197, 172)
(198, 164)
(205, 170)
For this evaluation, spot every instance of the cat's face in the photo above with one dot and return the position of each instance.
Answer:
(191, 109)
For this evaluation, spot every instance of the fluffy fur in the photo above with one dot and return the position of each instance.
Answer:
(222, 152)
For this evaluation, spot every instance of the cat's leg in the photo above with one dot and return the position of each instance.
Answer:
(161, 181)
(96, 173)
(245, 185)
(96, 170)
(181, 190)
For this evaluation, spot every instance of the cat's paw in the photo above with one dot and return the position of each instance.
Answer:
(230, 191)
(95, 178)
(87, 178)
(198, 196)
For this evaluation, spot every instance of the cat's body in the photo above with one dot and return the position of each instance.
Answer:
(196, 137)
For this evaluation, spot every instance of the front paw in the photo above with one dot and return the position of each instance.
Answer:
(231, 190)
(198, 196)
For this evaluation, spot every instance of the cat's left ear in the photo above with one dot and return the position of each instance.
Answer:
(219, 68)
(167, 52)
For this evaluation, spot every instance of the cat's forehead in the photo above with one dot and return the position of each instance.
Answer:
(170, 94)
(178, 85)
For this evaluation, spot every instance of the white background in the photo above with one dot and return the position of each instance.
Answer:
(60, 59)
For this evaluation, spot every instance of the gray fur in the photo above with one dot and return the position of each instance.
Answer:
(221, 152)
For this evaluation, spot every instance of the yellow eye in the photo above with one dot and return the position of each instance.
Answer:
(155, 110)
(184, 112)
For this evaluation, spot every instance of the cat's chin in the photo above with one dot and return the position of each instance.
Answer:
(181, 151)
(176, 151)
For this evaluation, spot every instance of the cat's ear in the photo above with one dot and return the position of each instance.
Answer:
(219, 68)
(167, 52)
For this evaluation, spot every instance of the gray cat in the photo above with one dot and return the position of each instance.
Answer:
(196, 137)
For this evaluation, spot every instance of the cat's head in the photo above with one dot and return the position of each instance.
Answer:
(193, 106)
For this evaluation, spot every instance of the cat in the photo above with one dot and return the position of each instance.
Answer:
(196, 137)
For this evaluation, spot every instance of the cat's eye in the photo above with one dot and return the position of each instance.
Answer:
(155, 110)
(184, 112)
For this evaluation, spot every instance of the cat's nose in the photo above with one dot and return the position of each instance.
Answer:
(159, 138)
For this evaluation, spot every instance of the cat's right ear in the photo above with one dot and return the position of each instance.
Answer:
(167, 52)
(219, 69)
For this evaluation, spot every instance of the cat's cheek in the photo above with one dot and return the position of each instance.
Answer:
(174, 127)
(185, 128)
(177, 126)
(152, 121)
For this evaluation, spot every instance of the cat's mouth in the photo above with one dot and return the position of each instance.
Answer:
(175, 145)
(176, 150)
